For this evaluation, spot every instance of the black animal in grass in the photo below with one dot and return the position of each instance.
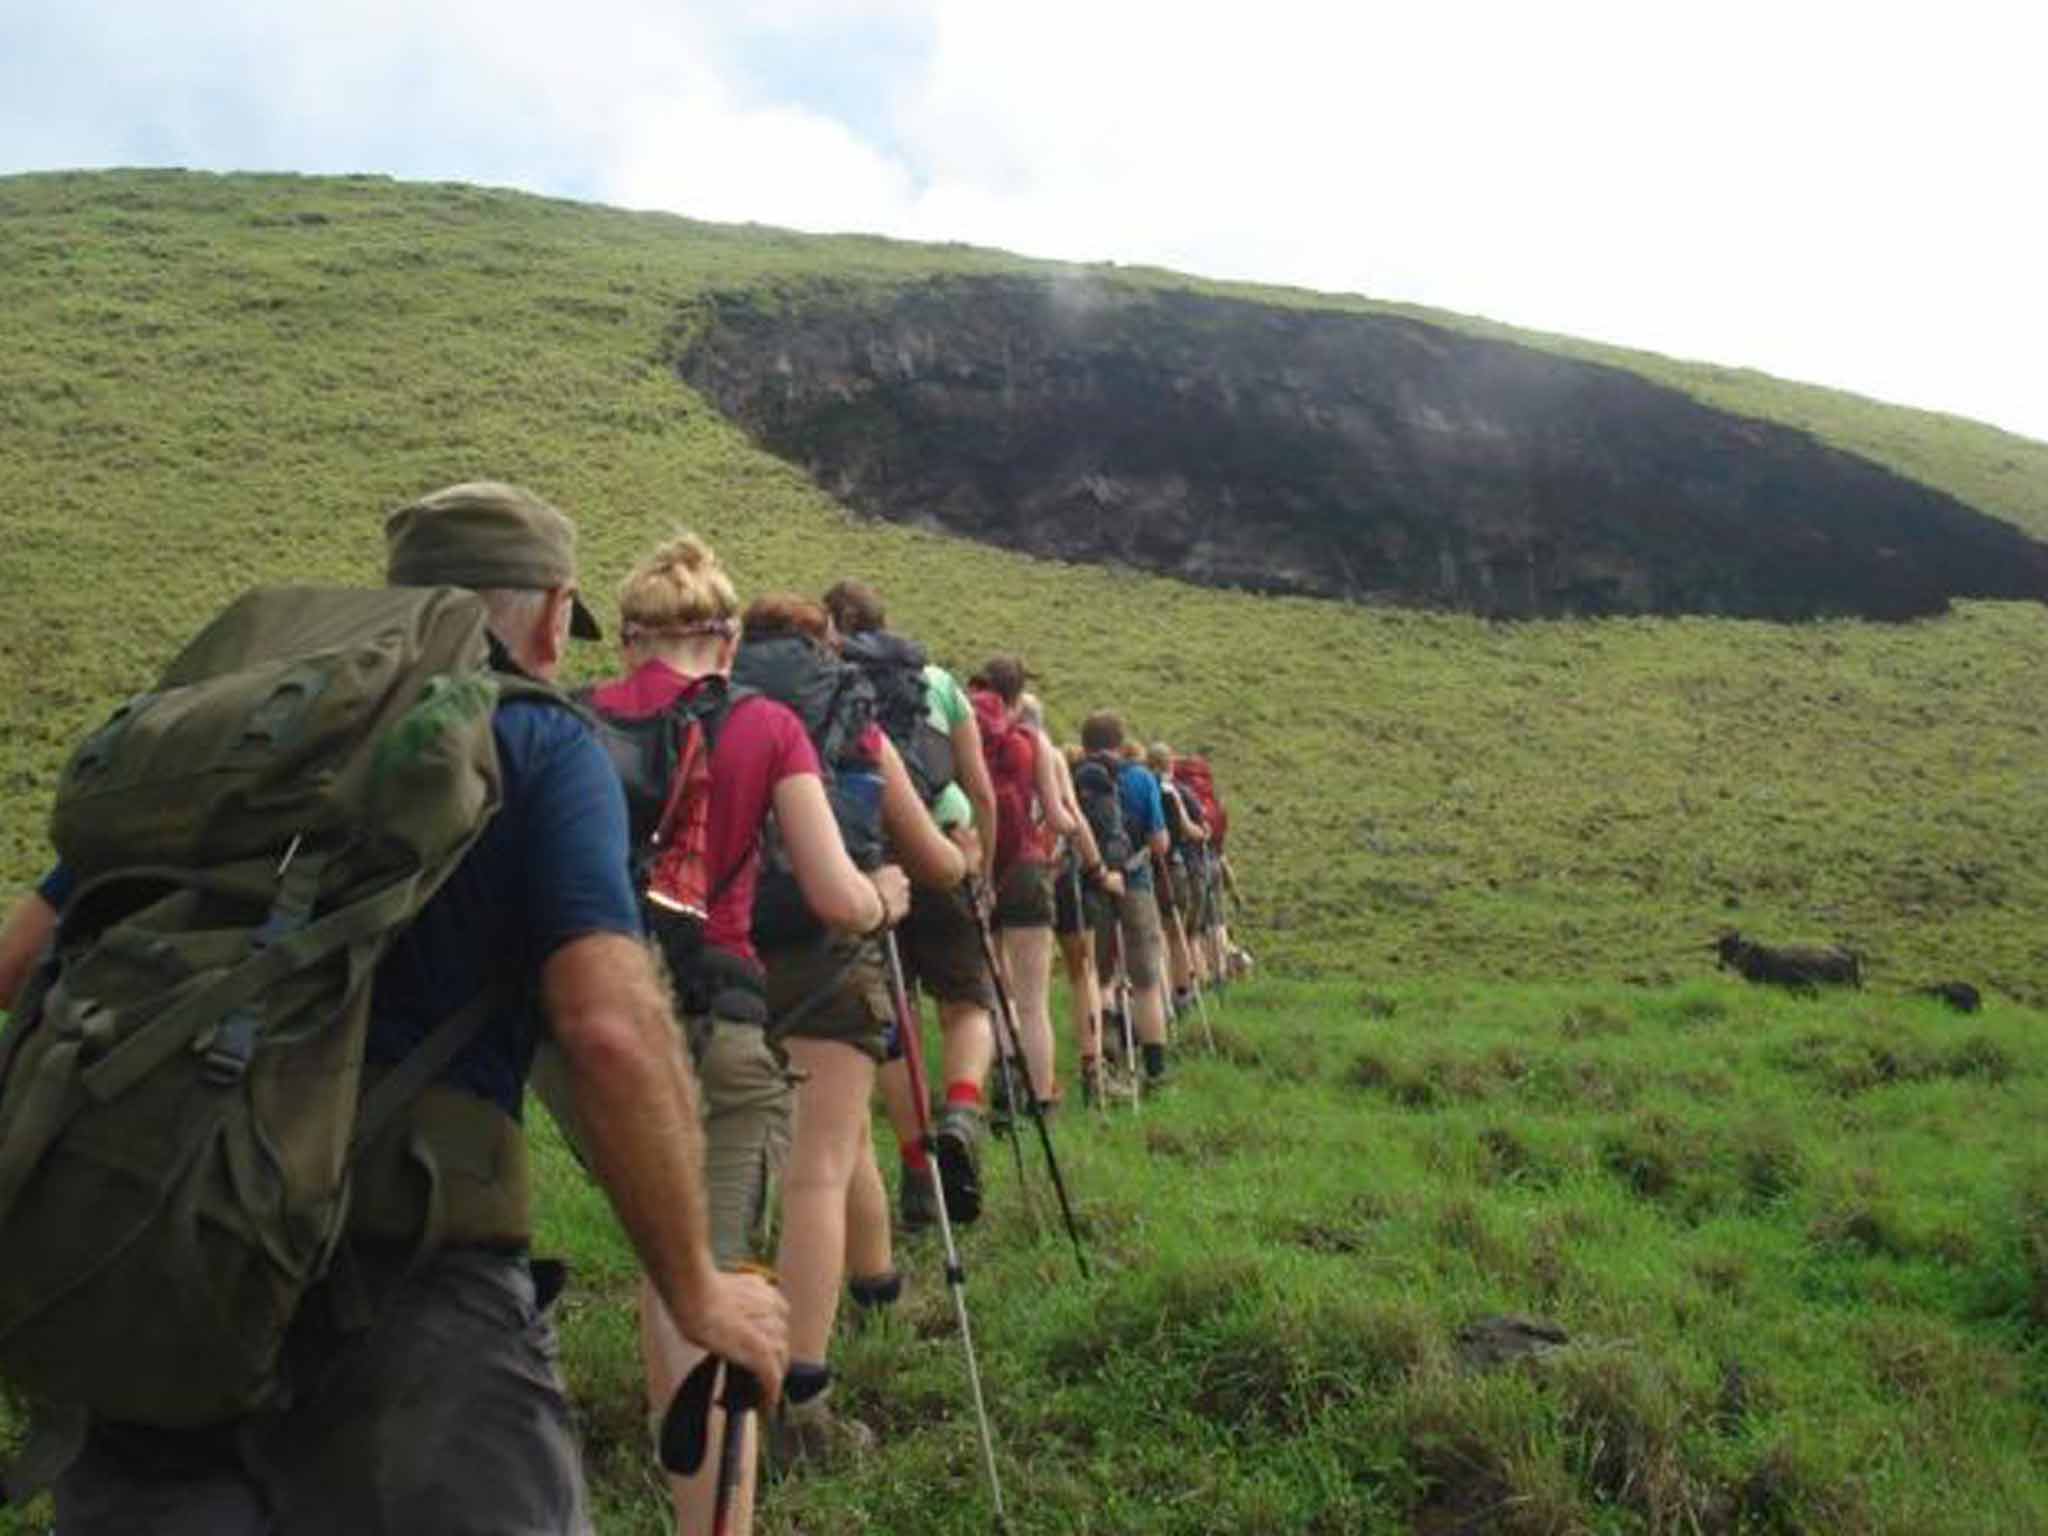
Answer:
(1801, 968)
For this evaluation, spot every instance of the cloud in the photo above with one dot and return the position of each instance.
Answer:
(1833, 192)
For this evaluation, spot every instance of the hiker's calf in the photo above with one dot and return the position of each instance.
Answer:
(1802, 969)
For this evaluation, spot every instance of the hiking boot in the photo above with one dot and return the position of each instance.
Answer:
(919, 1205)
(957, 1145)
(810, 1434)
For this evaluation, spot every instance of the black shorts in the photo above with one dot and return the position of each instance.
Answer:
(1024, 896)
(941, 949)
(1093, 911)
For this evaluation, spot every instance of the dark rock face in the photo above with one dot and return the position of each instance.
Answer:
(1365, 457)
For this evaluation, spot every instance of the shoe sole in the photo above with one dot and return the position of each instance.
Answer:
(958, 1177)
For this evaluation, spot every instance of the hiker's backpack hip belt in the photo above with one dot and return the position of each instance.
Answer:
(451, 1171)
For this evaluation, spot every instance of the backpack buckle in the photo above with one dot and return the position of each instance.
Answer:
(228, 1053)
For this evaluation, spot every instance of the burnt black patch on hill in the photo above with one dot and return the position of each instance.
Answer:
(1368, 457)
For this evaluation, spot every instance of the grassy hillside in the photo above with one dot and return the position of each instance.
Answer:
(1790, 1260)
(212, 381)
(1800, 1248)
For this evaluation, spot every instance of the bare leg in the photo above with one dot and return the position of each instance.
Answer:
(868, 1249)
(1027, 960)
(1077, 952)
(669, 1358)
(969, 1042)
(831, 1109)
(894, 1081)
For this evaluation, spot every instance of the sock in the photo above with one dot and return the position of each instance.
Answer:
(914, 1158)
(804, 1380)
(1155, 1061)
(963, 1091)
(870, 1292)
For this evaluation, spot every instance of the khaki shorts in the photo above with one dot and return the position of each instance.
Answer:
(744, 1100)
(839, 990)
(747, 1099)
(941, 949)
(1024, 896)
(1137, 927)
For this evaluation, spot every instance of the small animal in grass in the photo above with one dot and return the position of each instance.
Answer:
(1798, 967)
(1959, 995)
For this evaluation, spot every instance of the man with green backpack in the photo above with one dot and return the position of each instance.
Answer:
(263, 1190)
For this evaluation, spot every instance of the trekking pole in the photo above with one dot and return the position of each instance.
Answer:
(1162, 884)
(956, 1274)
(1120, 985)
(1008, 1073)
(1195, 980)
(1212, 887)
(742, 1394)
(1083, 931)
(1009, 1015)
(685, 1426)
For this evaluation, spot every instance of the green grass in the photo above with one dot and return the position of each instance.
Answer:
(1798, 1247)
(1802, 1247)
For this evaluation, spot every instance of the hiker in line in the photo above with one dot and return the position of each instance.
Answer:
(426, 1390)
(680, 620)
(1175, 880)
(1084, 887)
(1227, 960)
(938, 942)
(828, 997)
(1137, 912)
(1029, 819)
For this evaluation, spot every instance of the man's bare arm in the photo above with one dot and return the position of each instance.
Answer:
(635, 1102)
(22, 941)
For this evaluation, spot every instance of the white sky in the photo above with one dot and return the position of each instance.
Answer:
(1844, 193)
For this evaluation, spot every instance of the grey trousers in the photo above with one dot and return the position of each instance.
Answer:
(446, 1415)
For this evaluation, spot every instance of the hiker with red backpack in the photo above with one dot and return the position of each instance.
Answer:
(413, 1386)
(1215, 876)
(1030, 818)
(723, 760)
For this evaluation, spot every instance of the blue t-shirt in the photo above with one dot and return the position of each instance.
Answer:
(550, 866)
(57, 886)
(1137, 794)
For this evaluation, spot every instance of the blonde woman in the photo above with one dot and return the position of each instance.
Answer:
(680, 627)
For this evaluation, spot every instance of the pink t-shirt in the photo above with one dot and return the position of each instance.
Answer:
(760, 744)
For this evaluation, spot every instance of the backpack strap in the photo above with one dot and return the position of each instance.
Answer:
(421, 1065)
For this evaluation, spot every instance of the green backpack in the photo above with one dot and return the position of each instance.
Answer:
(181, 1092)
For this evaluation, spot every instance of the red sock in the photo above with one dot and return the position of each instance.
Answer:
(965, 1091)
(914, 1158)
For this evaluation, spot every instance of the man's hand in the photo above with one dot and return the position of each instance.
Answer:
(1113, 882)
(744, 1319)
(893, 886)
